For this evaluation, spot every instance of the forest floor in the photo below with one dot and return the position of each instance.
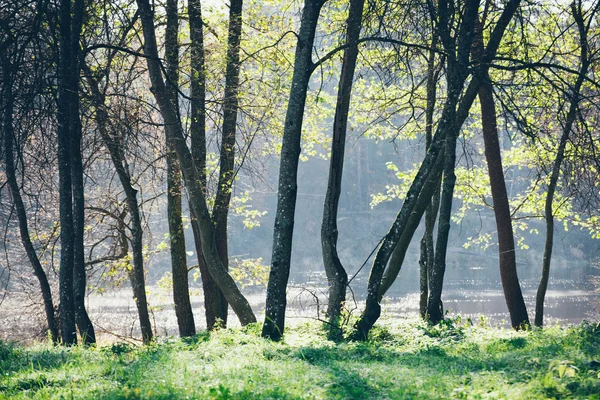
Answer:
(403, 359)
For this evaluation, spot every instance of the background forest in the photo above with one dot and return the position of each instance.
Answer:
(342, 155)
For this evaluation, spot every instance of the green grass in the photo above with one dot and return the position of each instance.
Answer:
(404, 359)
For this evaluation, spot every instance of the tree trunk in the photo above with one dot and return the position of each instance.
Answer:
(212, 294)
(227, 152)
(427, 244)
(181, 292)
(113, 144)
(191, 175)
(337, 277)
(506, 242)
(15, 192)
(560, 153)
(84, 324)
(434, 303)
(65, 105)
(288, 172)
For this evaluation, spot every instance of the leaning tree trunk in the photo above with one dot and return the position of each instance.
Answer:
(560, 154)
(227, 152)
(337, 277)
(288, 173)
(399, 253)
(15, 192)
(506, 242)
(181, 292)
(425, 182)
(191, 175)
(113, 144)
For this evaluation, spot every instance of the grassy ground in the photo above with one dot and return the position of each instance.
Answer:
(405, 359)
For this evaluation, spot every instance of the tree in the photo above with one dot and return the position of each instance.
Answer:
(288, 172)
(574, 100)
(191, 175)
(425, 182)
(113, 142)
(227, 151)
(181, 296)
(506, 243)
(213, 298)
(11, 54)
(337, 277)
(72, 269)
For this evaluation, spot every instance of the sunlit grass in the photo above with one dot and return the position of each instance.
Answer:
(404, 359)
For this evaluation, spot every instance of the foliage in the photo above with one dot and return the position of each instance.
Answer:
(403, 359)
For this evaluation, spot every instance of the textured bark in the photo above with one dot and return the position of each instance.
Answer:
(67, 87)
(38, 270)
(337, 277)
(213, 303)
(560, 154)
(227, 151)
(434, 303)
(506, 243)
(288, 172)
(113, 144)
(82, 319)
(84, 324)
(191, 175)
(427, 244)
(181, 293)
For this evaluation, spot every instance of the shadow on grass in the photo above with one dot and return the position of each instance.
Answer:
(388, 368)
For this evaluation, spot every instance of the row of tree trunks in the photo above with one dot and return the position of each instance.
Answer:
(337, 277)
(453, 116)
(181, 296)
(288, 173)
(72, 268)
(426, 259)
(575, 98)
(190, 171)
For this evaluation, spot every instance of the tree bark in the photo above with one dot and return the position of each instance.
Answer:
(560, 154)
(191, 175)
(337, 277)
(427, 244)
(506, 243)
(212, 293)
(288, 172)
(181, 292)
(67, 88)
(227, 151)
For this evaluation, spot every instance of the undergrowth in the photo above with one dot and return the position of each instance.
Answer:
(403, 359)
